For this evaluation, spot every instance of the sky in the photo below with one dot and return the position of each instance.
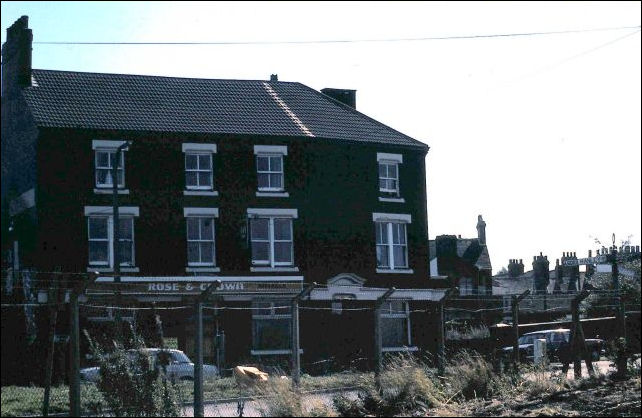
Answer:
(540, 134)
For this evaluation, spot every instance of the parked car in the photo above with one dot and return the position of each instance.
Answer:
(557, 345)
(177, 366)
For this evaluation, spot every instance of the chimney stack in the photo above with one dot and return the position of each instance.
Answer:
(515, 268)
(481, 230)
(16, 57)
(274, 77)
(345, 96)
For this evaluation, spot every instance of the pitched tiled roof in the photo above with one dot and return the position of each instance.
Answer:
(470, 250)
(167, 104)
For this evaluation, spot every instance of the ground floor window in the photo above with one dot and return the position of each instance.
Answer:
(271, 327)
(395, 325)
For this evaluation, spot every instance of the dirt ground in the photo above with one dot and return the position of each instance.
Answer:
(587, 398)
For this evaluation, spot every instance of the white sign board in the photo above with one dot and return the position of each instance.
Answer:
(603, 268)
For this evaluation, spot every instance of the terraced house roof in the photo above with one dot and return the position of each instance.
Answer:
(68, 99)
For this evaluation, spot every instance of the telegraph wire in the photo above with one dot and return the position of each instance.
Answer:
(344, 41)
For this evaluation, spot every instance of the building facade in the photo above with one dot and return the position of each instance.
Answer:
(259, 184)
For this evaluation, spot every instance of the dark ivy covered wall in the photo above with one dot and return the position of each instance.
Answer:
(334, 186)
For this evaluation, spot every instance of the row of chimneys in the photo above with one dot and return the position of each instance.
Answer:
(516, 267)
(16, 64)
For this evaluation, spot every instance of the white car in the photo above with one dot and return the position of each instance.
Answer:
(179, 366)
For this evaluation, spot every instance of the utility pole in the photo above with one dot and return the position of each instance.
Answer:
(116, 235)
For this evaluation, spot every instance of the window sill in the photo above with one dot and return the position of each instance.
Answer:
(272, 194)
(396, 271)
(274, 269)
(203, 269)
(272, 352)
(392, 199)
(110, 191)
(103, 269)
(398, 349)
(200, 193)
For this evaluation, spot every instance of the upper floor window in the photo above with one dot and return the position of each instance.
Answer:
(389, 174)
(392, 242)
(269, 167)
(272, 237)
(200, 236)
(199, 167)
(104, 162)
(100, 228)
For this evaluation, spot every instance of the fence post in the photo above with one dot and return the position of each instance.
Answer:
(52, 299)
(74, 337)
(74, 345)
(198, 363)
(577, 342)
(620, 361)
(515, 310)
(295, 343)
(377, 334)
(199, 410)
(441, 333)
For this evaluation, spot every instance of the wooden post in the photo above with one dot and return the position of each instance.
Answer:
(378, 340)
(74, 379)
(52, 299)
(294, 335)
(74, 345)
(515, 310)
(577, 343)
(441, 333)
(198, 345)
(198, 363)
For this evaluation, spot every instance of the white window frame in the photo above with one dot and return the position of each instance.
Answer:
(124, 212)
(199, 149)
(202, 212)
(389, 160)
(389, 219)
(108, 147)
(390, 245)
(271, 214)
(389, 314)
(271, 240)
(389, 164)
(271, 151)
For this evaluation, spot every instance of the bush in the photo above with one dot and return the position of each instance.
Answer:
(281, 400)
(470, 376)
(406, 385)
(130, 383)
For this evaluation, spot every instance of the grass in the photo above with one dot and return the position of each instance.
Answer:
(27, 400)
(21, 400)
(469, 333)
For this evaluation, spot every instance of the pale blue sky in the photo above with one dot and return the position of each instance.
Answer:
(540, 135)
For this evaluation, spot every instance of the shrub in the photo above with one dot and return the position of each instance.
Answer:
(130, 384)
(470, 376)
(281, 400)
(405, 385)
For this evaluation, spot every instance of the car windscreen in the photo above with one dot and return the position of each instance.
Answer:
(180, 357)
